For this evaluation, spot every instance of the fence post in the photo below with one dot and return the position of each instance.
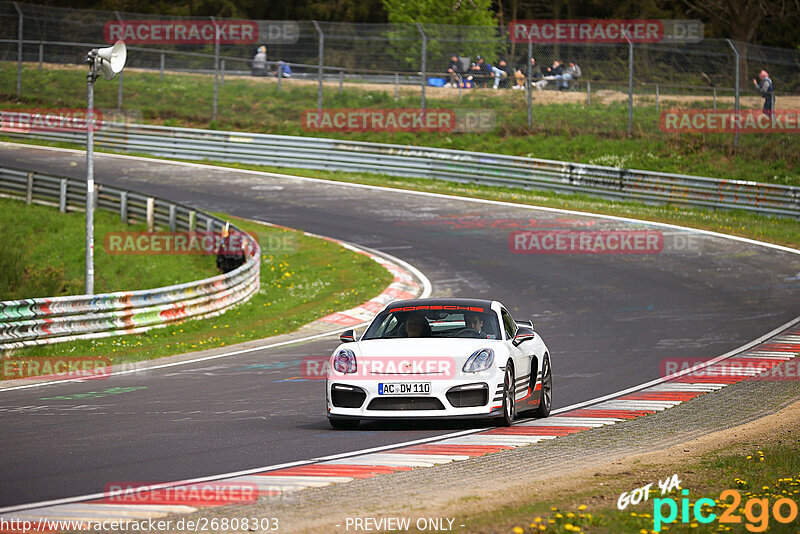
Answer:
(119, 81)
(321, 54)
(29, 189)
(588, 93)
(656, 98)
(736, 101)
(280, 75)
(150, 213)
(630, 82)
(530, 86)
(222, 73)
(216, 70)
(19, 51)
(715, 99)
(396, 87)
(123, 207)
(62, 196)
(41, 55)
(424, 62)
(161, 68)
(341, 81)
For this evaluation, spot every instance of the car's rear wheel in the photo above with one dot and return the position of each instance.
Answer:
(509, 410)
(547, 390)
(343, 424)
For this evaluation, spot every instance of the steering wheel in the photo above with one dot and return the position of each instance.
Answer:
(471, 331)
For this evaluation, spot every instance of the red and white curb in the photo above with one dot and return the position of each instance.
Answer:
(150, 504)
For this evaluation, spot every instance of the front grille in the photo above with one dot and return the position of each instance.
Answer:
(405, 403)
(459, 397)
(347, 396)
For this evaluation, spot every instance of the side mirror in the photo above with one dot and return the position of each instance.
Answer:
(348, 336)
(523, 334)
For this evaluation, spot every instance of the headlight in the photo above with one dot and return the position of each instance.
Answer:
(479, 361)
(345, 361)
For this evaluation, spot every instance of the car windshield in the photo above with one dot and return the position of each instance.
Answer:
(420, 321)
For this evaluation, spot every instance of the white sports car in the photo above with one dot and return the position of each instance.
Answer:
(440, 358)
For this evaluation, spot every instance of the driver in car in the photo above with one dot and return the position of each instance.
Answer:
(473, 321)
(417, 326)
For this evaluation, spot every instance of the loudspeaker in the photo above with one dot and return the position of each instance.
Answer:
(112, 59)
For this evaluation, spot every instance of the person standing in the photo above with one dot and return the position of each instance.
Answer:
(767, 91)
(259, 67)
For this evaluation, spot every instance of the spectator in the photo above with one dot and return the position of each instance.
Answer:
(501, 73)
(284, 70)
(555, 72)
(454, 72)
(230, 254)
(573, 72)
(260, 62)
(767, 91)
(521, 74)
(481, 70)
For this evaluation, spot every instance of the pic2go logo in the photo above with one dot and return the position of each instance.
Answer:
(756, 511)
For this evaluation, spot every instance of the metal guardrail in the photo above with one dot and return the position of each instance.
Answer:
(436, 163)
(49, 320)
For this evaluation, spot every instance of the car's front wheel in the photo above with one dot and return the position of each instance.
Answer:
(509, 410)
(343, 424)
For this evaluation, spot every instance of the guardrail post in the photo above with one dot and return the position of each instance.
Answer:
(172, 217)
(150, 213)
(192, 220)
(62, 196)
(321, 53)
(123, 207)
(216, 70)
(41, 55)
(161, 68)
(209, 224)
(29, 189)
(19, 51)
(588, 93)
(424, 63)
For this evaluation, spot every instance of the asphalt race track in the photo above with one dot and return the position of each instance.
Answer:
(609, 319)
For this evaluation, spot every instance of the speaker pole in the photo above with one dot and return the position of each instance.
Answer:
(90, 78)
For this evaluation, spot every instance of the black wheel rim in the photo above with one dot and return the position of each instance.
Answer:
(509, 396)
(547, 386)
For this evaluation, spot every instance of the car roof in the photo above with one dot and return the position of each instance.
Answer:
(471, 303)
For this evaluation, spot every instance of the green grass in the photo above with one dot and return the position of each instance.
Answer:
(771, 473)
(42, 255)
(302, 279)
(572, 132)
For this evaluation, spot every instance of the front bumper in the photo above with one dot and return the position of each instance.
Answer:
(467, 396)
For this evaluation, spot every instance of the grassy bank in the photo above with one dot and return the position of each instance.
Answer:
(302, 279)
(42, 255)
(564, 127)
(768, 474)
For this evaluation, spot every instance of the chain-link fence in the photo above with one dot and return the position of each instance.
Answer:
(410, 64)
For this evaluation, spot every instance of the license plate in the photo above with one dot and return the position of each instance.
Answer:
(404, 388)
